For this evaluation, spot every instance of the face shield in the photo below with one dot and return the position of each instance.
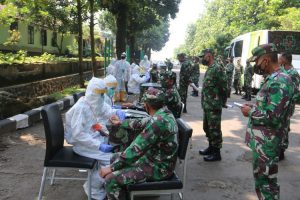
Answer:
(111, 84)
(95, 92)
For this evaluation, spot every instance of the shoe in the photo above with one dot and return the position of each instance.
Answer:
(244, 97)
(214, 156)
(281, 154)
(206, 151)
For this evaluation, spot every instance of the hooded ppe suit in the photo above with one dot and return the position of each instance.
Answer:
(83, 121)
(145, 64)
(111, 68)
(135, 80)
(111, 85)
(122, 76)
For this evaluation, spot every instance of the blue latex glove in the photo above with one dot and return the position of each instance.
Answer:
(147, 75)
(117, 106)
(121, 114)
(106, 148)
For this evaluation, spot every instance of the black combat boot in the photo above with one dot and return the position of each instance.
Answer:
(184, 109)
(214, 156)
(206, 151)
(281, 154)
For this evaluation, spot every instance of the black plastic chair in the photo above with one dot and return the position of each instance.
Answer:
(173, 184)
(58, 156)
(77, 96)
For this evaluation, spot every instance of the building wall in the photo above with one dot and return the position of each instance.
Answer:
(37, 46)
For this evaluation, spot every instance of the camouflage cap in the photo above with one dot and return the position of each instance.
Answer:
(154, 96)
(262, 50)
(169, 75)
(181, 55)
(204, 51)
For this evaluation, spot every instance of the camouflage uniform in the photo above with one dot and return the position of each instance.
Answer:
(292, 72)
(239, 70)
(229, 74)
(213, 96)
(150, 157)
(185, 79)
(267, 121)
(154, 76)
(173, 100)
(248, 81)
(195, 77)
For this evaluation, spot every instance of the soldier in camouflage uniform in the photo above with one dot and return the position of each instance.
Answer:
(154, 75)
(195, 75)
(184, 77)
(169, 64)
(213, 98)
(285, 60)
(153, 153)
(229, 74)
(173, 100)
(239, 70)
(248, 81)
(267, 120)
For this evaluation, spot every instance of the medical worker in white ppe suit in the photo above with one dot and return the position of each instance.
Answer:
(136, 80)
(86, 130)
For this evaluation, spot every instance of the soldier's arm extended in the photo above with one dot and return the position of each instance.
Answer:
(135, 124)
(139, 146)
(274, 110)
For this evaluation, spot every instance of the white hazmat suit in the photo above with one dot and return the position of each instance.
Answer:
(111, 85)
(111, 68)
(145, 64)
(135, 80)
(122, 73)
(81, 130)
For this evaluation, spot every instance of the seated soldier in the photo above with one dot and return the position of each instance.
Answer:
(153, 153)
(173, 100)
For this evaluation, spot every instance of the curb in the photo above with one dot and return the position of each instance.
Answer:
(33, 116)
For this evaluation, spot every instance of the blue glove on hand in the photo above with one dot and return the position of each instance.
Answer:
(147, 75)
(117, 107)
(121, 114)
(106, 148)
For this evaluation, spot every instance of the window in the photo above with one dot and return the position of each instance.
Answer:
(54, 39)
(238, 49)
(44, 37)
(30, 35)
(14, 26)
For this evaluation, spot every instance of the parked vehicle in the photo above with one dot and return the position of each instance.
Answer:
(286, 41)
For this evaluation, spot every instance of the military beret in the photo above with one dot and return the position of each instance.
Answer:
(262, 50)
(154, 96)
(204, 51)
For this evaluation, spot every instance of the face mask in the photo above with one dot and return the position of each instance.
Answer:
(110, 92)
(123, 57)
(258, 70)
(205, 62)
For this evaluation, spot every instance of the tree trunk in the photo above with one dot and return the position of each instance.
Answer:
(94, 67)
(80, 48)
(121, 19)
(60, 46)
(132, 47)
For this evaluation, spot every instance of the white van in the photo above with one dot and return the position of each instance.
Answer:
(286, 41)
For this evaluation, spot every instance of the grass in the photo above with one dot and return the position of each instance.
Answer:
(66, 92)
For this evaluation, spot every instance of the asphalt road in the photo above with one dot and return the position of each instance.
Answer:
(22, 154)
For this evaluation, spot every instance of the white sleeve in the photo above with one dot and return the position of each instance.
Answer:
(139, 79)
(81, 134)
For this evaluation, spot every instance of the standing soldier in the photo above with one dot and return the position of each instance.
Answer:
(154, 75)
(169, 64)
(248, 81)
(229, 74)
(267, 120)
(184, 77)
(239, 70)
(285, 60)
(153, 153)
(213, 97)
(195, 75)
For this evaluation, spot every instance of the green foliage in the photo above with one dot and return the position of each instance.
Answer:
(13, 58)
(8, 13)
(14, 38)
(224, 20)
(66, 92)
